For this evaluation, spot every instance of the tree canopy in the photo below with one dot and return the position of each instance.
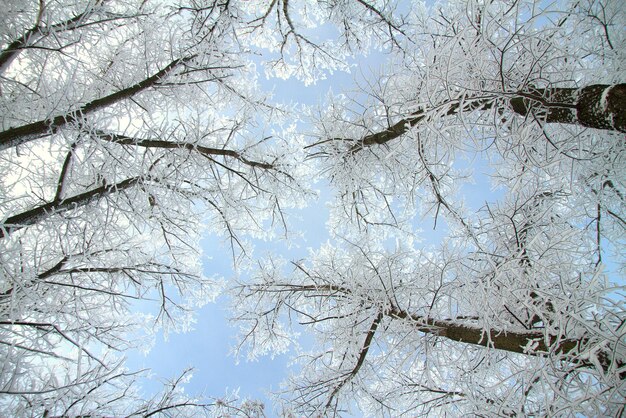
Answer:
(130, 129)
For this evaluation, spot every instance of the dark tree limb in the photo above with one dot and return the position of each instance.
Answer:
(64, 172)
(527, 342)
(155, 143)
(533, 343)
(37, 213)
(22, 134)
(360, 360)
(405, 124)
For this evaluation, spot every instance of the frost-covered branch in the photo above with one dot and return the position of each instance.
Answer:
(207, 151)
(36, 214)
(23, 134)
(595, 106)
(32, 35)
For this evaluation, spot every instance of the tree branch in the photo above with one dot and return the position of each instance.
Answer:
(534, 343)
(35, 214)
(26, 133)
(360, 360)
(154, 143)
(14, 48)
(64, 173)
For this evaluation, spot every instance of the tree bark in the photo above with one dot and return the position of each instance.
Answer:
(534, 343)
(599, 106)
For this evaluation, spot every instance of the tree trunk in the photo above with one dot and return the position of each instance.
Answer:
(599, 106)
(534, 343)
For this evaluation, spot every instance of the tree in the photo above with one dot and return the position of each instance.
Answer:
(126, 126)
(517, 312)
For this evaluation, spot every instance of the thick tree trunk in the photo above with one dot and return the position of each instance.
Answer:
(599, 106)
(35, 214)
(534, 343)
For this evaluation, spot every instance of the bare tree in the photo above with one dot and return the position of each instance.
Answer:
(480, 77)
(413, 332)
(126, 127)
(519, 311)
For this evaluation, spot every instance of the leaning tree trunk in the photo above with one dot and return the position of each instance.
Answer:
(532, 342)
(599, 106)
(528, 342)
